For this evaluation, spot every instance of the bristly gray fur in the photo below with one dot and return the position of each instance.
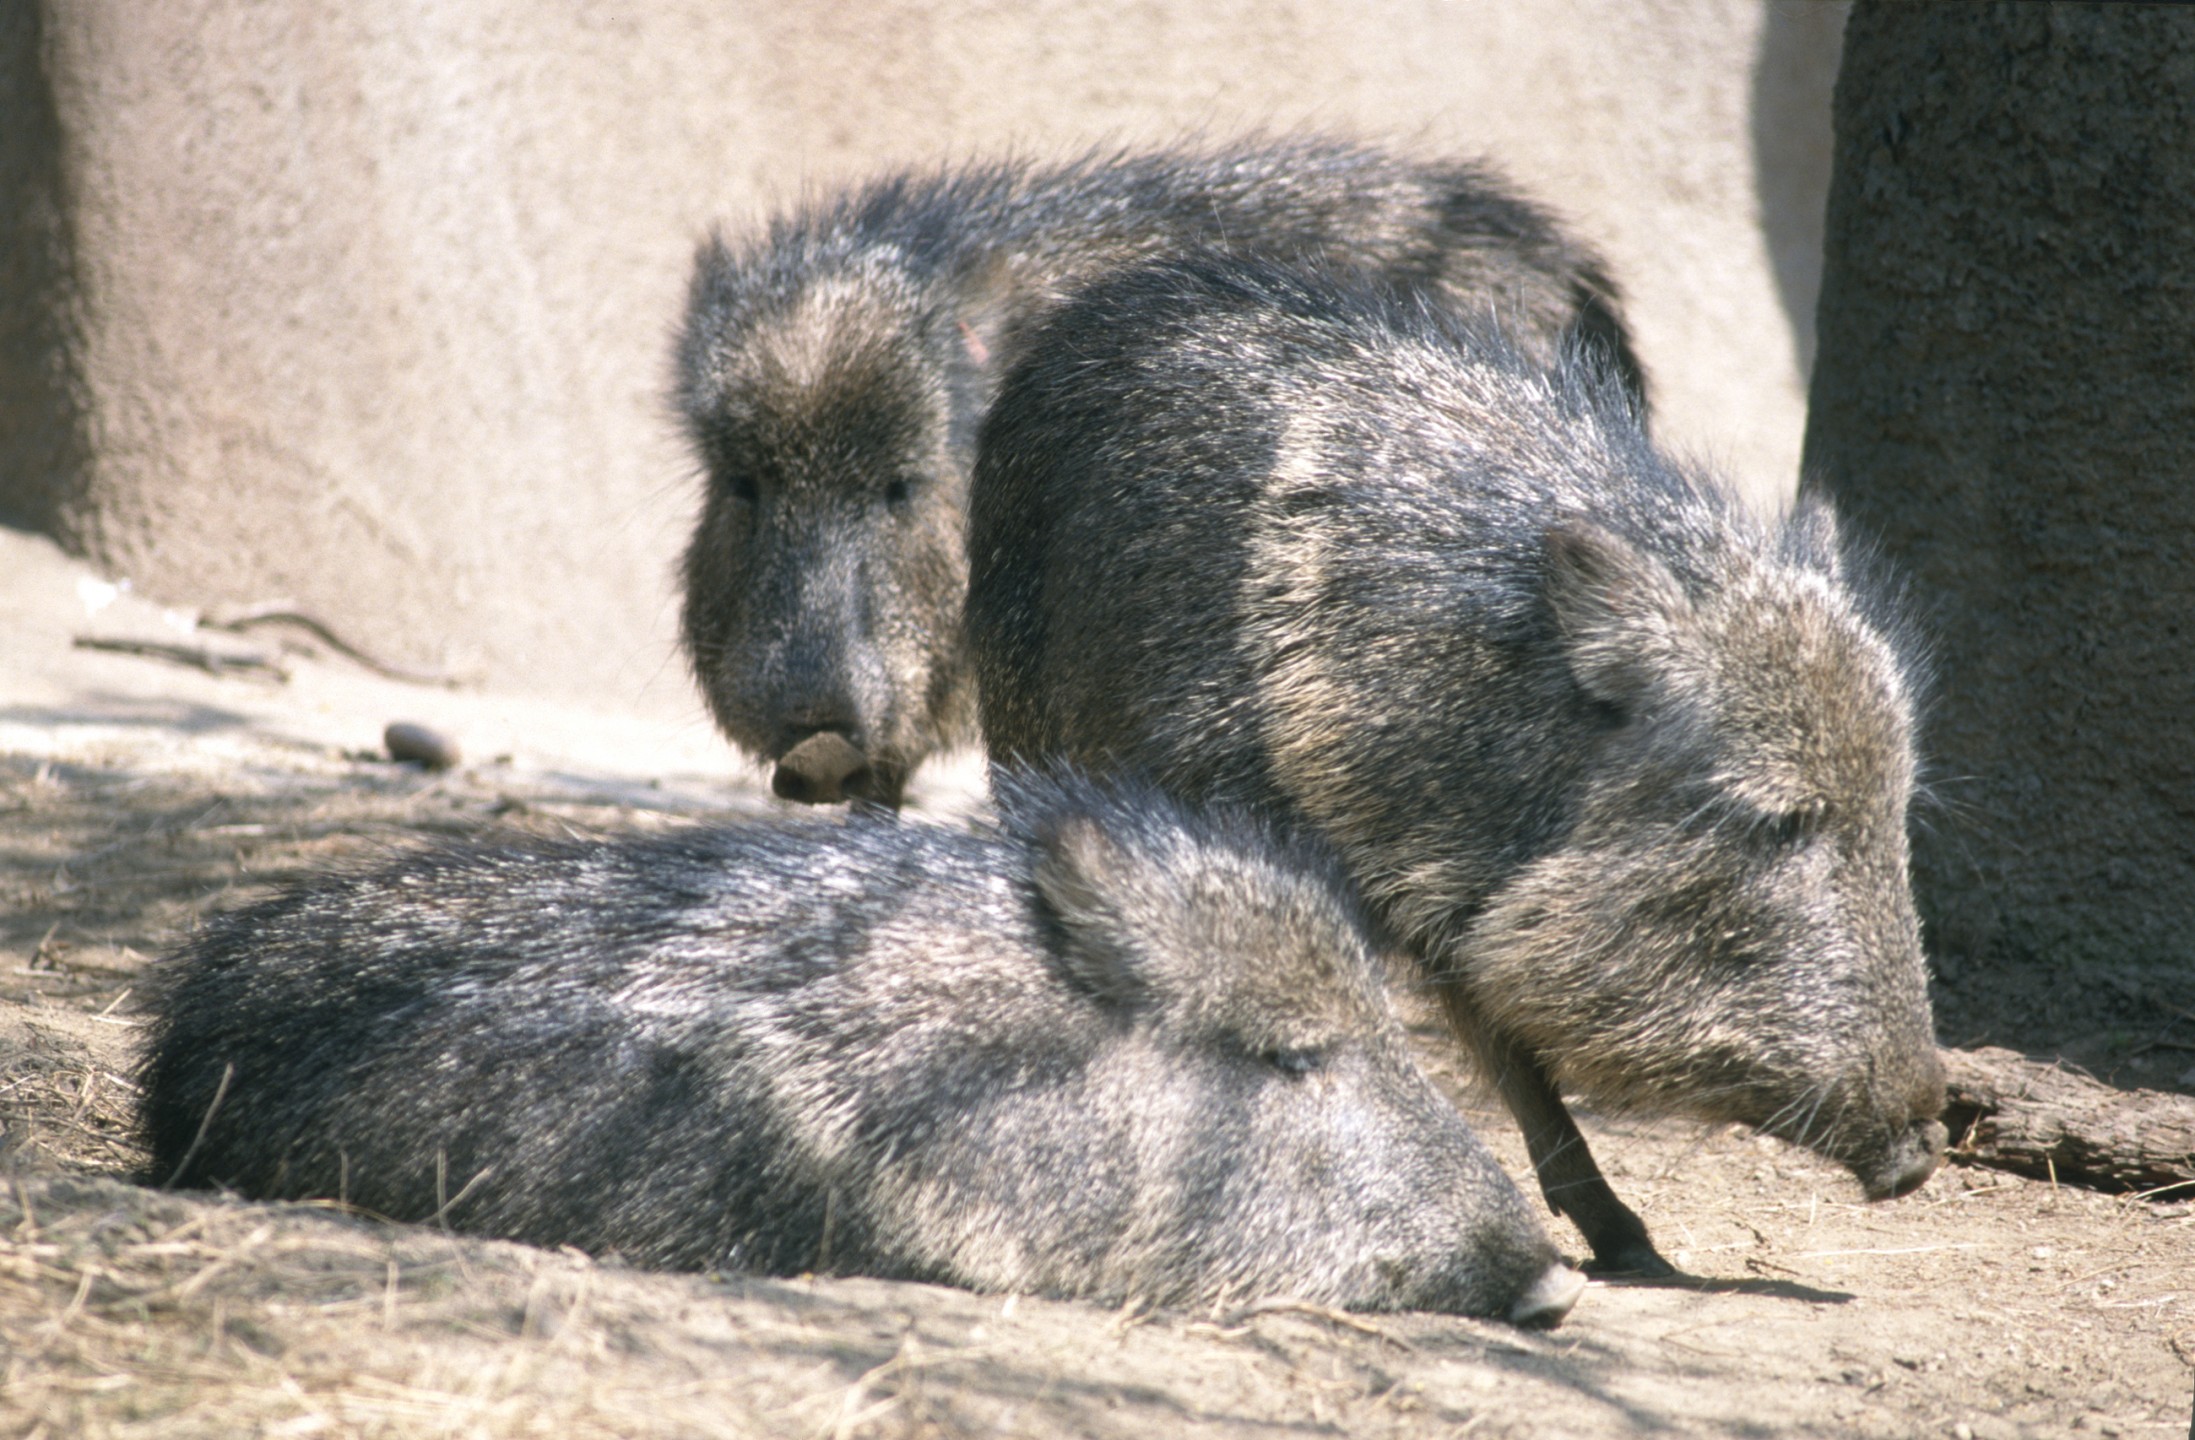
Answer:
(832, 369)
(1113, 1049)
(1626, 767)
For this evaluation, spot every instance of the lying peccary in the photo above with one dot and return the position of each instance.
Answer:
(832, 371)
(1626, 768)
(1116, 1050)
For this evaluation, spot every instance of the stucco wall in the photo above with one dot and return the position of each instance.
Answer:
(367, 306)
(2006, 400)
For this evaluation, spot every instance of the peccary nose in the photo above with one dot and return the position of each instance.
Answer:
(1910, 1163)
(820, 770)
(1550, 1297)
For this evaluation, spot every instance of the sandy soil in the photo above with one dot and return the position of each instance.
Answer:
(137, 794)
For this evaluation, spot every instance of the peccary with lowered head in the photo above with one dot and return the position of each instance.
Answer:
(832, 369)
(1624, 766)
(1116, 1050)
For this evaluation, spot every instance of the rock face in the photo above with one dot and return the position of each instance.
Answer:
(2004, 396)
(366, 309)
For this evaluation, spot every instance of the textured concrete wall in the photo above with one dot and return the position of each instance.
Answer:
(41, 458)
(2006, 395)
(366, 306)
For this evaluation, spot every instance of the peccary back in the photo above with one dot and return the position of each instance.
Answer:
(1626, 768)
(1115, 1050)
(832, 370)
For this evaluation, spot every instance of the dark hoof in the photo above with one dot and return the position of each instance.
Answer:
(1621, 1247)
(1633, 1260)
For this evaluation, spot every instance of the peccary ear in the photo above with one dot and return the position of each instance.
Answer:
(1622, 614)
(1079, 869)
(1810, 537)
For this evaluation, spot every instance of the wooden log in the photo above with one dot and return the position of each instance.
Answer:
(2011, 1113)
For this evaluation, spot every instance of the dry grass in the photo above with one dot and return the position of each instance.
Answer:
(62, 1109)
(127, 1312)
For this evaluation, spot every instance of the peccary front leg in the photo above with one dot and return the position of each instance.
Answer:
(1569, 1177)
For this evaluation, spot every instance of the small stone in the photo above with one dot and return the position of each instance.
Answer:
(1962, 1431)
(421, 745)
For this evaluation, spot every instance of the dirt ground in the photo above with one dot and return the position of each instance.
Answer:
(137, 794)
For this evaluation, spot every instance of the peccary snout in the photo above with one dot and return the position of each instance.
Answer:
(826, 768)
(1908, 1163)
(1544, 1305)
(1904, 1162)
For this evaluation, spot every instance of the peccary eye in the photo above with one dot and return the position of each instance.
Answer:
(1295, 1063)
(742, 487)
(1789, 829)
(898, 493)
(1606, 715)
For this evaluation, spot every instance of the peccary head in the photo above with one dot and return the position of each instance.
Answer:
(1280, 1134)
(824, 581)
(1729, 927)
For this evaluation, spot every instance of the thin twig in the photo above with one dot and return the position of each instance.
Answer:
(190, 1285)
(1893, 1250)
(284, 612)
(228, 1072)
(442, 1210)
(198, 657)
(1282, 1306)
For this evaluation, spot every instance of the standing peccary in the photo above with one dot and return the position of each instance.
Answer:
(1624, 767)
(832, 371)
(1115, 1050)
